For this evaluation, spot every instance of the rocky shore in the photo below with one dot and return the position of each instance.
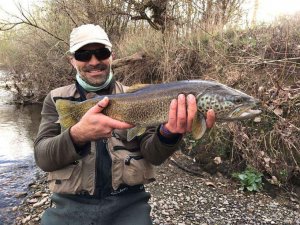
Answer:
(180, 198)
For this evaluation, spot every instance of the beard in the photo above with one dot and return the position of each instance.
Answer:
(103, 69)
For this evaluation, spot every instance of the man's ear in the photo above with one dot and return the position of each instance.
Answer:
(72, 60)
(113, 55)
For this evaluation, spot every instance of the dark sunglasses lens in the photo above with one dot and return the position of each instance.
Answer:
(83, 56)
(102, 54)
(86, 55)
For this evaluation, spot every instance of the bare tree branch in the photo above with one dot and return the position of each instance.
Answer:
(25, 18)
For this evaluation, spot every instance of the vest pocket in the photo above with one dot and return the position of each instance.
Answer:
(137, 171)
(66, 180)
(128, 165)
(130, 169)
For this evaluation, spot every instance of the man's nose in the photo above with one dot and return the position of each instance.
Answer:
(94, 60)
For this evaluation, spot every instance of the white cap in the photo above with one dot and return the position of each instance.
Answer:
(87, 34)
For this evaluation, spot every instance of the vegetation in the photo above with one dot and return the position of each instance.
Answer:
(250, 180)
(179, 40)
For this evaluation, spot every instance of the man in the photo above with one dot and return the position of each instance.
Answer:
(96, 175)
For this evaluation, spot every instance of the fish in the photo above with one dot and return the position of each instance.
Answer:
(148, 105)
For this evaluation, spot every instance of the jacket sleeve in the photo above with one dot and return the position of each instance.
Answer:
(53, 149)
(156, 149)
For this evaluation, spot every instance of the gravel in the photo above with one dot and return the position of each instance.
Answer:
(180, 198)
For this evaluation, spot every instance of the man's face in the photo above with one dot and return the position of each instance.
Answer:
(94, 71)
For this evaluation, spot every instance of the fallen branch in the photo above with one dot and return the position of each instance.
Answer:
(129, 59)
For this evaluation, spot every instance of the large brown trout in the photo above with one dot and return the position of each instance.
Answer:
(149, 105)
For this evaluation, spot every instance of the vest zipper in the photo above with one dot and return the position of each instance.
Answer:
(100, 163)
(96, 169)
(108, 151)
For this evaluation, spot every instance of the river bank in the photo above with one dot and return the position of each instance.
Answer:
(18, 128)
(179, 198)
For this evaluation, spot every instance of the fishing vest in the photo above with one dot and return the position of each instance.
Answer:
(127, 164)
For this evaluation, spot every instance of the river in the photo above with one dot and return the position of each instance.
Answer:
(18, 128)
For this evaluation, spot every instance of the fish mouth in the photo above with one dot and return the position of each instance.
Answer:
(244, 112)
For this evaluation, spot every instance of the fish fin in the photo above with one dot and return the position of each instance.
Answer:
(199, 126)
(66, 110)
(136, 87)
(135, 131)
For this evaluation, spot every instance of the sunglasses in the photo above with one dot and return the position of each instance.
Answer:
(86, 55)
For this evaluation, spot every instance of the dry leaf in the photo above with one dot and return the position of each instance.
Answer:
(257, 119)
(217, 160)
(278, 111)
(208, 183)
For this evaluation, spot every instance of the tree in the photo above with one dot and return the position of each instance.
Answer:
(255, 9)
(41, 34)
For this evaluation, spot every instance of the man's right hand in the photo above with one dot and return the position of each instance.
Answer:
(94, 125)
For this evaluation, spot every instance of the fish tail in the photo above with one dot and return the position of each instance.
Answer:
(67, 111)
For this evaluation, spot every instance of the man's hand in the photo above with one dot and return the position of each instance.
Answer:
(94, 125)
(181, 115)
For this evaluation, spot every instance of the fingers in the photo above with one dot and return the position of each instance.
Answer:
(102, 121)
(172, 122)
(101, 105)
(210, 118)
(191, 111)
(181, 112)
(116, 124)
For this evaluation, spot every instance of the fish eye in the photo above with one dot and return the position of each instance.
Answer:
(238, 100)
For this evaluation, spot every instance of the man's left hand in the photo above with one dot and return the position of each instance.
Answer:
(182, 112)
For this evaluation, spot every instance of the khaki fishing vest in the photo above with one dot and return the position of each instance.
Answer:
(128, 165)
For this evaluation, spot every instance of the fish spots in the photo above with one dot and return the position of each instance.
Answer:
(208, 102)
(217, 108)
(221, 103)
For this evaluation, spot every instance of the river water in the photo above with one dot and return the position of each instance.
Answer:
(18, 128)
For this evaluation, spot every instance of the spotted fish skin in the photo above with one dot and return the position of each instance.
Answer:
(149, 105)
